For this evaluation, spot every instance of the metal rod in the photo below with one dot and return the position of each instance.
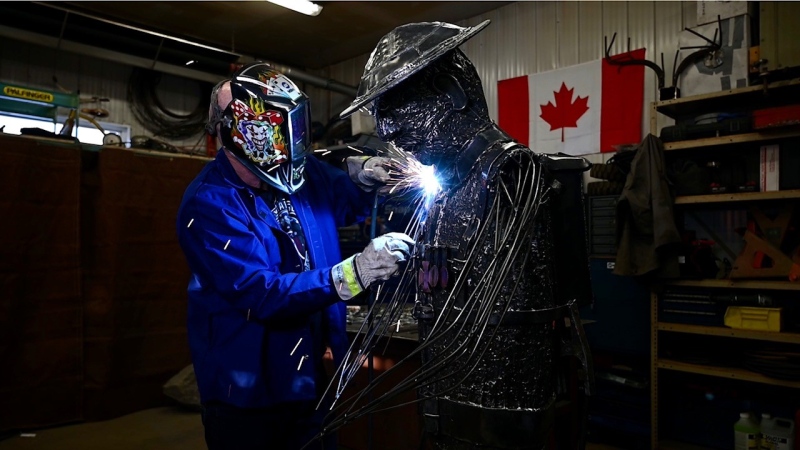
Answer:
(371, 304)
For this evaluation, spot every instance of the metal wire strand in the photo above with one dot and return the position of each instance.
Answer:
(514, 210)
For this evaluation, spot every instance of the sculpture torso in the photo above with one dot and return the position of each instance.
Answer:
(498, 259)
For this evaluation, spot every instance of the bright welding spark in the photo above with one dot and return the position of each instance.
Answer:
(410, 174)
(429, 181)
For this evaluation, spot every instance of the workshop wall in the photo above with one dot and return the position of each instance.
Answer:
(531, 37)
(92, 281)
(524, 38)
(35, 66)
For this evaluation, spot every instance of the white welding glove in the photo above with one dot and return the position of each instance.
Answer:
(379, 261)
(368, 172)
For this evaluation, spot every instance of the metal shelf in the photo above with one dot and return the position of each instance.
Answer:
(792, 338)
(759, 136)
(778, 285)
(724, 372)
(742, 100)
(737, 197)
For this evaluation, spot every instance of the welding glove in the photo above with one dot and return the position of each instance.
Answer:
(379, 261)
(368, 172)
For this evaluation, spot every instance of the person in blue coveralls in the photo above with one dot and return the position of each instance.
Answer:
(258, 227)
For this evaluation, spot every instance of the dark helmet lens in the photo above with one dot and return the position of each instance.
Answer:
(300, 131)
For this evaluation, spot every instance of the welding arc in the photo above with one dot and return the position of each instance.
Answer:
(514, 207)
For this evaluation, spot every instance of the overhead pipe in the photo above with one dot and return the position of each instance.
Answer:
(105, 54)
(298, 75)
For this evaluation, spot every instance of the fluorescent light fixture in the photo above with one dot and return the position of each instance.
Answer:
(302, 6)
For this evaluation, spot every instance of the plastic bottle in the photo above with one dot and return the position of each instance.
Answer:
(779, 435)
(746, 432)
(767, 425)
(797, 429)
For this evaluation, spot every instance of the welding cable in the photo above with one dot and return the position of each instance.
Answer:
(148, 109)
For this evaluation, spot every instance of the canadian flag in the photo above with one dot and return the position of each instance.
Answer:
(582, 109)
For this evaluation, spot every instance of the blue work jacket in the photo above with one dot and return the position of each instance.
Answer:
(250, 302)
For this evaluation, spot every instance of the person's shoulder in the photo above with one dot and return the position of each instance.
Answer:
(211, 187)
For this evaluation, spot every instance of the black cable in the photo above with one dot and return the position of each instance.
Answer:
(151, 113)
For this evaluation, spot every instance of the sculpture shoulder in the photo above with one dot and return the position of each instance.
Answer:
(505, 158)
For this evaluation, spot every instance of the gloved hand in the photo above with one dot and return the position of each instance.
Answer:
(379, 261)
(368, 172)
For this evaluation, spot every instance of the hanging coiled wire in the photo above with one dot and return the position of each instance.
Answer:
(151, 113)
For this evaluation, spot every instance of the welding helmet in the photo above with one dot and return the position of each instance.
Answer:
(405, 51)
(266, 126)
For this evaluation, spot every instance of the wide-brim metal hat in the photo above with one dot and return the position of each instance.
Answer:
(403, 52)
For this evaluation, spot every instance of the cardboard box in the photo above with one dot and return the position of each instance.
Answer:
(770, 168)
(728, 68)
(779, 116)
(707, 11)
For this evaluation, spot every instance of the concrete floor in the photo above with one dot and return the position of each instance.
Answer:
(152, 429)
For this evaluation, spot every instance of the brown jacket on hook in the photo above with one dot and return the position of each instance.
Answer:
(647, 237)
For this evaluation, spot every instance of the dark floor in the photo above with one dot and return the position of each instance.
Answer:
(152, 429)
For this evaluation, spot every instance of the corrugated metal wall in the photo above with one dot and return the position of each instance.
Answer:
(524, 38)
(530, 37)
(34, 66)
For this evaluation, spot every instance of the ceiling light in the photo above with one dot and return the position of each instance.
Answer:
(302, 6)
(190, 62)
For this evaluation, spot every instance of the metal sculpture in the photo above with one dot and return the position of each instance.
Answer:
(500, 260)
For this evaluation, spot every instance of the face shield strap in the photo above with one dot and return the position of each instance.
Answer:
(214, 120)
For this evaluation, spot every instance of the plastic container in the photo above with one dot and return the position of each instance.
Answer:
(767, 423)
(777, 434)
(797, 429)
(753, 318)
(746, 432)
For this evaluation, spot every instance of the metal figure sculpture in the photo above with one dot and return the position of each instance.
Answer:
(501, 253)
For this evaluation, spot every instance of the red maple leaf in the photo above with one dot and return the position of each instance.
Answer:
(565, 113)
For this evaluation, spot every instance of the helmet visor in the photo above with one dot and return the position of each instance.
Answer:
(270, 133)
(299, 130)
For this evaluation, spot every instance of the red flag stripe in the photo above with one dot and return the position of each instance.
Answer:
(622, 87)
(514, 114)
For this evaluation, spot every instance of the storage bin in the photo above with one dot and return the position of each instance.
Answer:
(753, 318)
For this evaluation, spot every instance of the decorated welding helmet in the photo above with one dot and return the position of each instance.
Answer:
(405, 51)
(267, 126)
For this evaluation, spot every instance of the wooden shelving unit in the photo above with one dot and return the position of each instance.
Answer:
(738, 197)
(673, 445)
(737, 100)
(759, 136)
(793, 338)
(752, 97)
(725, 372)
(779, 285)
